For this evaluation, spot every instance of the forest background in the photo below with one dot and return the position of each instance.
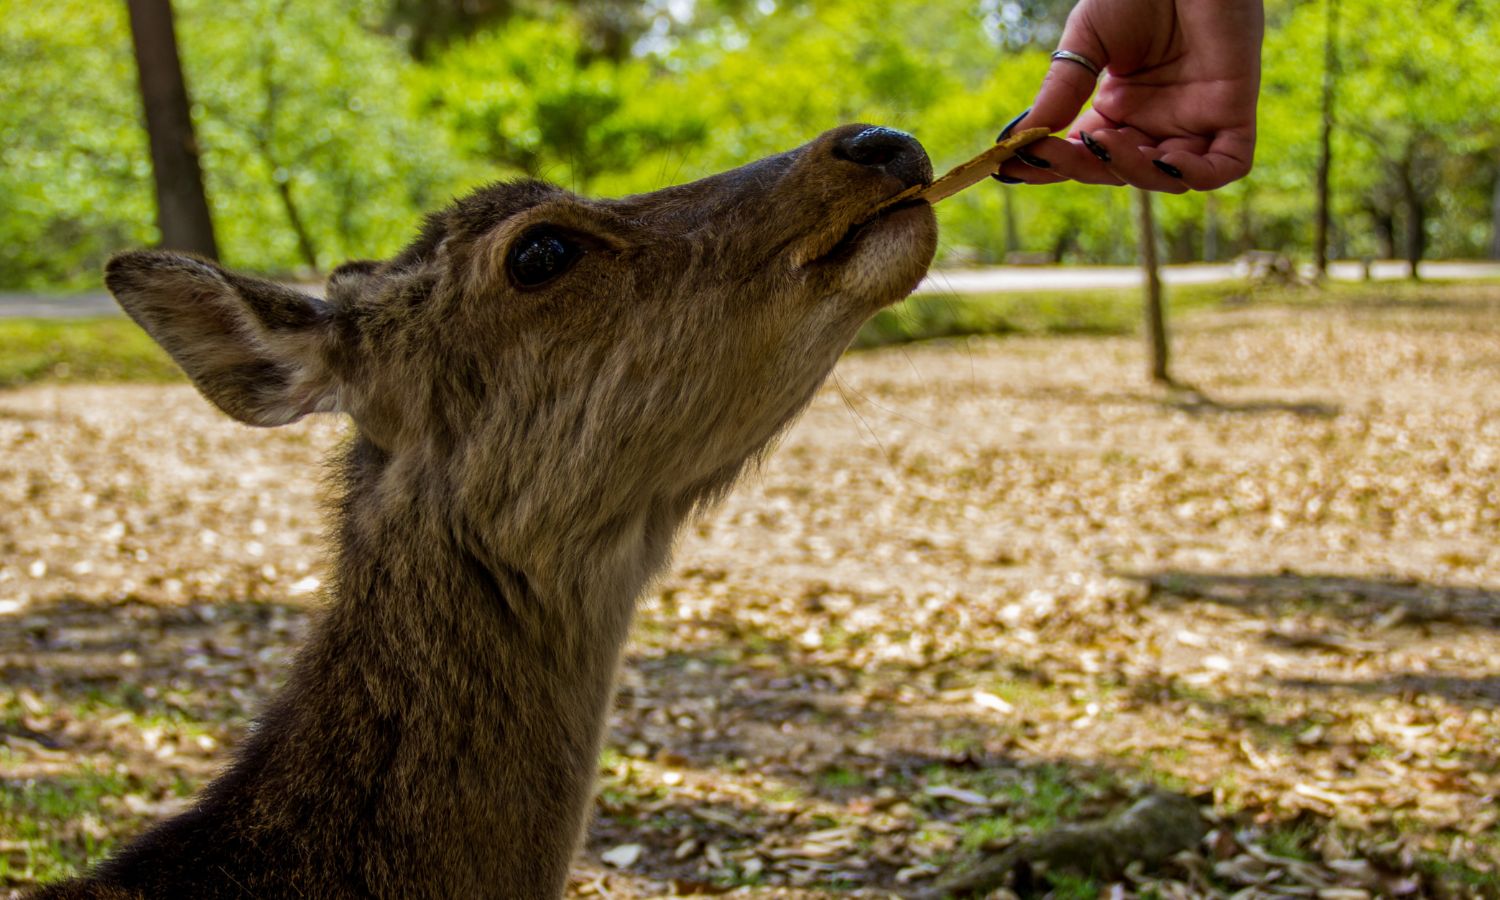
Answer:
(326, 129)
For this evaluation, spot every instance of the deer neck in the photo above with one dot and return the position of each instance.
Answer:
(445, 717)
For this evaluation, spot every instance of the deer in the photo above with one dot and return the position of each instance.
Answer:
(543, 389)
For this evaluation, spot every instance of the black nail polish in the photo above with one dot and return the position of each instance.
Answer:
(1006, 179)
(1010, 126)
(1093, 147)
(1031, 159)
(1168, 168)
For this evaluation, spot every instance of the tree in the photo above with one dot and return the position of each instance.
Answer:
(425, 25)
(1211, 228)
(1156, 322)
(322, 138)
(1325, 137)
(530, 96)
(316, 153)
(75, 164)
(1416, 102)
(181, 204)
(1495, 218)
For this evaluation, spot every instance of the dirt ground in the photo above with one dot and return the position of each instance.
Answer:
(984, 587)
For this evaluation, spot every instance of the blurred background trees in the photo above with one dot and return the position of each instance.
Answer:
(181, 207)
(326, 129)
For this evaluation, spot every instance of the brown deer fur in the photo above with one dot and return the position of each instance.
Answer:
(521, 462)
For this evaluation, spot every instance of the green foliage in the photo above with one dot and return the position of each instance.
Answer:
(528, 98)
(1046, 312)
(305, 97)
(1411, 104)
(324, 138)
(74, 170)
(80, 350)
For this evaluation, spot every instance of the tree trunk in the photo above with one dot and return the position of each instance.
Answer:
(1247, 222)
(1008, 204)
(1325, 151)
(181, 206)
(1211, 228)
(1156, 326)
(1495, 220)
(1385, 231)
(1416, 218)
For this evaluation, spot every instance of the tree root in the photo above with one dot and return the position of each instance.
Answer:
(1151, 830)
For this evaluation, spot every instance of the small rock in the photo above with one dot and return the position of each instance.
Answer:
(623, 856)
(993, 702)
(945, 792)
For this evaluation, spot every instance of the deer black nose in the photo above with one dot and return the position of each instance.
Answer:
(893, 152)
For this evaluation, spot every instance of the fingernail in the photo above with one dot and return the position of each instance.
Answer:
(1093, 147)
(1031, 159)
(1167, 167)
(1006, 179)
(1010, 126)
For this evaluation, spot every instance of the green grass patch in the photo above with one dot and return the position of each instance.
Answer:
(1461, 876)
(1038, 798)
(79, 350)
(1399, 293)
(981, 833)
(41, 818)
(1293, 841)
(1118, 311)
(1066, 886)
(785, 793)
(840, 779)
(1025, 694)
(1029, 312)
(115, 349)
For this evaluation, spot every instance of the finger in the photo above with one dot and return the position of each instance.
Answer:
(1068, 85)
(1014, 171)
(1069, 160)
(1065, 89)
(1156, 152)
(1127, 153)
(1228, 159)
(1021, 153)
(1040, 157)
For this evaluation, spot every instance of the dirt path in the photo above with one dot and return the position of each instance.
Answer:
(982, 588)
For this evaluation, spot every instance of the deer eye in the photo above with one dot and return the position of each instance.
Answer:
(541, 255)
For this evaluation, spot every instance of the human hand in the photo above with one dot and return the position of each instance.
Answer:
(1175, 109)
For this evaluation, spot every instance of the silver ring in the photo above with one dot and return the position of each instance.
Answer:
(1079, 58)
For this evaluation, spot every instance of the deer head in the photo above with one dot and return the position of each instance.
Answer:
(565, 364)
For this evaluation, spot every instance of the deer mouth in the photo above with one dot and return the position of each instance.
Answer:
(844, 247)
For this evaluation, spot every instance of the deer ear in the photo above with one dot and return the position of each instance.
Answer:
(257, 350)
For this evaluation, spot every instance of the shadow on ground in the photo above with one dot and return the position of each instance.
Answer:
(1388, 601)
(806, 765)
(1187, 399)
(734, 757)
(1195, 402)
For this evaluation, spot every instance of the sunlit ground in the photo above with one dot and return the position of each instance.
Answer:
(985, 587)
